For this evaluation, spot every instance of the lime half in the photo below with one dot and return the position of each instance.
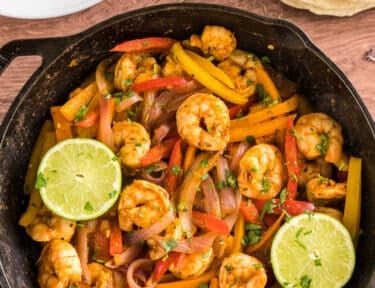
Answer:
(313, 250)
(79, 179)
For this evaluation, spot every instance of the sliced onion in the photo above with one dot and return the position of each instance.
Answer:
(157, 168)
(149, 98)
(104, 86)
(152, 230)
(167, 97)
(132, 270)
(83, 251)
(196, 244)
(239, 150)
(162, 131)
(226, 194)
(127, 102)
(231, 218)
(126, 257)
(190, 185)
(212, 199)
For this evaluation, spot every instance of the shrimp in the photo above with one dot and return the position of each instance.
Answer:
(324, 191)
(132, 66)
(203, 121)
(142, 203)
(174, 231)
(59, 265)
(132, 142)
(99, 277)
(240, 68)
(312, 169)
(241, 270)
(192, 265)
(216, 41)
(171, 68)
(318, 134)
(47, 226)
(262, 172)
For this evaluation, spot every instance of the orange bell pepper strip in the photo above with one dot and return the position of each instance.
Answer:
(352, 209)
(195, 282)
(258, 130)
(106, 110)
(189, 157)
(159, 151)
(174, 169)
(291, 156)
(205, 78)
(145, 45)
(239, 233)
(267, 113)
(162, 265)
(160, 83)
(267, 236)
(115, 239)
(62, 125)
(88, 120)
(250, 212)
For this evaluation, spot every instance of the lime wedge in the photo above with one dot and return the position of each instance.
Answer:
(313, 250)
(79, 179)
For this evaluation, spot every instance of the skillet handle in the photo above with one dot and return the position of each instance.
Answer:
(47, 48)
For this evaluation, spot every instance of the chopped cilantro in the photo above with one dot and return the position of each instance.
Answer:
(322, 147)
(112, 194)
(264, 97)
(109, 76)
(204, 176)
(82, 111)
(265, 59)
(305, 281)
(267, 208)
(317, 262)
(253, 234)
(88, 207)
(249, 139)
(40, 181)
(169, 245)
(150, 169)
(297, 238)
(266, 186)
(283, 195)
(176, 169)
(204, 162)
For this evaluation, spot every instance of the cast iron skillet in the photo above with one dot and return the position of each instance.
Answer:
(325, 85)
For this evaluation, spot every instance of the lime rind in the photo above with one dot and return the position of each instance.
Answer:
(66, 193)
(314, 247)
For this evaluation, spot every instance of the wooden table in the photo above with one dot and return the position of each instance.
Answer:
(344, 40)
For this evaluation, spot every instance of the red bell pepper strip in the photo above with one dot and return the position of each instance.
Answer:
(115, 239)
(146, 45)
(159, 151)
(291, 156)
(174, 168)
(90, 119)
(160, 83)
(107, 108)
(99, 247)
(210, 222)
(162, 265)
(292, 207)
(250, 212)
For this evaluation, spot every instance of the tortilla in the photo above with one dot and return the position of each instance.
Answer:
(339, 8)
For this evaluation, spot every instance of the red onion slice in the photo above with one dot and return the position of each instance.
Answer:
(133, 267)
(212, 199)
(154, 229)
(127, 102)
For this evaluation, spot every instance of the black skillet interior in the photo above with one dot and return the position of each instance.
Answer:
(294, 54)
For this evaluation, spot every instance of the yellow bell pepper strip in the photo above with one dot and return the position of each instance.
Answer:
(62, 125)
(266, 240)
(70, 108)
(267, 113)
(202, 76)
(35, 158)
(352, 210)
(35, 200)
(239, 232)
(189, 283)
(145, 45)
(258, 130)
(264, 79)
(210, 68)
